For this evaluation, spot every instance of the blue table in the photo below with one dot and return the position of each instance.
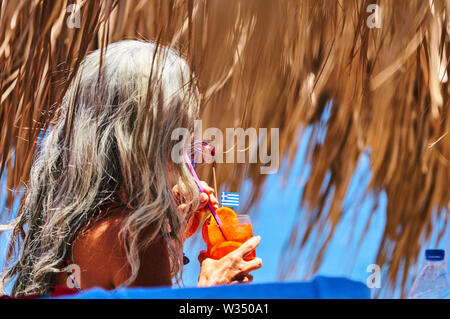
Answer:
(319, 288)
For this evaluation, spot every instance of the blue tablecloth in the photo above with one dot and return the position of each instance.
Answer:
(319, 288)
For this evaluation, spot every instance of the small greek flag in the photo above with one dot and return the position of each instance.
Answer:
(230, 199)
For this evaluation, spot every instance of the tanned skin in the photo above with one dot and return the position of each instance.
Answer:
(99, 252)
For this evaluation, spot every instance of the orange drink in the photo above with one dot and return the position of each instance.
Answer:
(221, 240)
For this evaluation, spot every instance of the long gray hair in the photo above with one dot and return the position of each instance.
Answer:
(112, 134)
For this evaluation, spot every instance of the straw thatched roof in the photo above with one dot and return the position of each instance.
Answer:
(264, 63)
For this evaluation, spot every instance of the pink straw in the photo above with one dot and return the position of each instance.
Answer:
(197, 180)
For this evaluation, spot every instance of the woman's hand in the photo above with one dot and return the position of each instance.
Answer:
(193, 220)
(230, 269)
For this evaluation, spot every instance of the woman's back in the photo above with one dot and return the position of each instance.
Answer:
(99, 253)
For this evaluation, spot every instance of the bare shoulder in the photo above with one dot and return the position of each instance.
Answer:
(100, 252)
(103, 230)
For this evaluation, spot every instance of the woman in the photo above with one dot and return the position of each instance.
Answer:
(104, 194)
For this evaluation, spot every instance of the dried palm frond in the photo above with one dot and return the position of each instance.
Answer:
(273, 64)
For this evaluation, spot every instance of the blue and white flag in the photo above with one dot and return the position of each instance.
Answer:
(230, 199)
